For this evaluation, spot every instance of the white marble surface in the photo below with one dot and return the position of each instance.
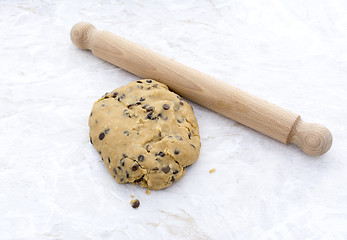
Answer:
(53, 185)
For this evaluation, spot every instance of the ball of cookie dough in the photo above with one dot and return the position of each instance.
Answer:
(145, 134)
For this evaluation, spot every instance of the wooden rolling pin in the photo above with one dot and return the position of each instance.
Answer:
(267, 118)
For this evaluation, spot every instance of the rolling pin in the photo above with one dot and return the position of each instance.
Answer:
(258, 114)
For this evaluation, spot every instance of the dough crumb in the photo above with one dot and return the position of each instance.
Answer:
(135, 203)
(212, 170)
(132, 196)
(148, 192)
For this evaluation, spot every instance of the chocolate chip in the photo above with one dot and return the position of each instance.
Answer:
(91, 114)
(149, 109)
(115, 94)
(189, 135)
(115, 171)
(175, 172)
(103, 105)
(141, 157)
(142, 99)
(139, 81)
(135, 167)
(161, 154)
(159, 134)
(176, 152)
(109, 160)
(121, 180)
(192, 145)
(148, 88)
(121, 97)
(173, 179)
(102, 159)
(130, 105)
(99, 152)
(101, 136)
(122, 162)
(180, 121)
(138, 103)
(106, 97)
(166, 106)
(147, 148)
(181, 103)
(91, 141)
(124, 155)
(126, 133)
(166, 169)
(107, 130)
(149, 81)
(127, 174)
(135, 203)
(119, 168)
(150, 115)
(179, 137)
(155, 169)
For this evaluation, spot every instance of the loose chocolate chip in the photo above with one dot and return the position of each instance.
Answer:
(181, 103)
(166, 106)
(107, 130)
(127, 174)
(126, 133)
(91, 141)
(166, 169)
(115, 94)
(122, 162)
(149, 81)
(96, 121)
(124, 155)
(135, 167)
(135, 203)
(173, 179)
(155, 169)
(175, 172)
(141, 157)
(192, 145)
(161, 154)
(138, 81)
(101, 136)
(119, 168)
(176, 152)
(142, 99)
(109, 160)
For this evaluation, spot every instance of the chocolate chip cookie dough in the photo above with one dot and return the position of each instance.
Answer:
(145, 134)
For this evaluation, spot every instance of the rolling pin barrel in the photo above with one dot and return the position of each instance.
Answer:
(260, 115)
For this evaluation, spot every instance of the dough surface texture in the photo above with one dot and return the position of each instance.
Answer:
(145, 134)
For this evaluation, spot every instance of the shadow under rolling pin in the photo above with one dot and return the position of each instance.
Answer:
(258, 114)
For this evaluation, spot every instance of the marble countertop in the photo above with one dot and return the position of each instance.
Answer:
(53, 184)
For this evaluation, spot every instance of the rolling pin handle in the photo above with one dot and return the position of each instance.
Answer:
(82, 35)
(314, 139)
